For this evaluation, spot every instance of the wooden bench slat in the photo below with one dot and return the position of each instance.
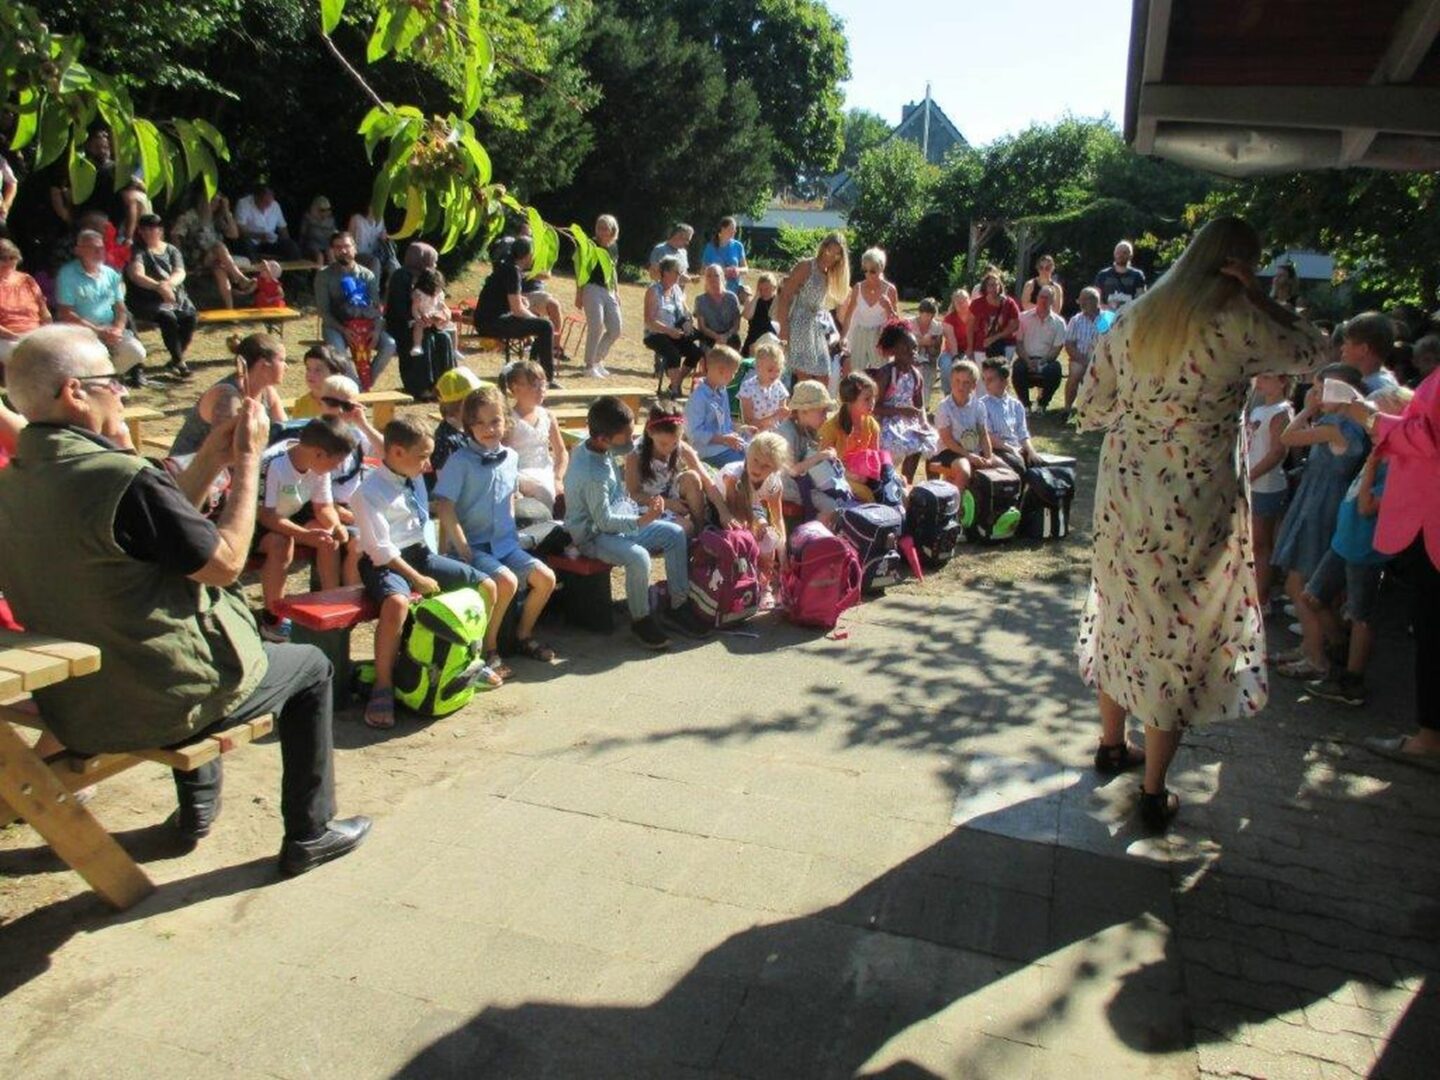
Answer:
(11, 685)
(83, 659)
(249, 314)
(34, 669)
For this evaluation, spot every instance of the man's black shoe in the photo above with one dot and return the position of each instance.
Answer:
(136, 378)
(194, 822)
(649, 633)
(341, 836)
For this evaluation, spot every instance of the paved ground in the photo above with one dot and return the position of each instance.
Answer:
(789, 856)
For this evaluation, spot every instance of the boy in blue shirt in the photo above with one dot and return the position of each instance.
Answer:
(707, 417)
(391, 512)
(606, 524)
(475, 501)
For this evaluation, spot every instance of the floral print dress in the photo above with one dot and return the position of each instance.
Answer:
(905, 435)
(1171, 627)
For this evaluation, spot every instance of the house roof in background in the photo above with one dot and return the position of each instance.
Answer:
(1309, 265)
(1242, 87)
(798, 218)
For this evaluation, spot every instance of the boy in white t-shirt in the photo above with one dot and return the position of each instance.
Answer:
(297, 507)
(964, 427)
(1269, 416)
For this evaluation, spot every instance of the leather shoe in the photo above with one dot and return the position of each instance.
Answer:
(194, 820)
(340, 837)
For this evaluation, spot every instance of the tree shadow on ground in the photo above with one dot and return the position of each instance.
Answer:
(1262, 907)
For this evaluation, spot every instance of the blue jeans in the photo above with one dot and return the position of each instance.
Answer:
(632, 551)
(384, 350)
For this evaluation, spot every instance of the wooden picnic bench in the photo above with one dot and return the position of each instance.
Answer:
(135, 417)
(380, 403)
(40, 791)
(271, 317)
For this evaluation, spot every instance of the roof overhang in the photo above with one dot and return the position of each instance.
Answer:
(1241, 87)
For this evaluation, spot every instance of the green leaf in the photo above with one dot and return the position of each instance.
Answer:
(470, 100)
(413, 26)
(478, 157)
(82, 177)
(330, 12)
(414, 214)
(148, 138)
(27, 119)
(378, 45)
(54, 134)
(214, 138)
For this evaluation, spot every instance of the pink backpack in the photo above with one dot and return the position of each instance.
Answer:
(822, 576)
(725, 576)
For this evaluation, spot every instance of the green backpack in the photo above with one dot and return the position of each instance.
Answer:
(441, 653)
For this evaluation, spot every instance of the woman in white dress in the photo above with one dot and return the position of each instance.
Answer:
(872, 303)
(1171, 633)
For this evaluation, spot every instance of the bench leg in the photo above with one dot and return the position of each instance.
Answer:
(35, 793)
(335, 644)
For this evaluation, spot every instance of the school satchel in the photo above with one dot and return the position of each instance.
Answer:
(442, 653)
(725, 576)
(873, 530)
(932, 520)
(990, 509)
(1045, 505)
(821, 577)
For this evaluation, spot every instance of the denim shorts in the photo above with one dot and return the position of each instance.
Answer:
(381, 582)
(1359, 581)
(1269, 504)
(518, 562)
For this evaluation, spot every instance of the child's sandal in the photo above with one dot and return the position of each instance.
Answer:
(497, 666)
(533, 650)
(380, 710)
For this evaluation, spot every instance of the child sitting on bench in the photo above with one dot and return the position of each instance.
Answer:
(475, 502)
(665, 465)
(451, 390)
(606, 524)
(297, 507)
(964, 427)
(340, 398)
(707, 417)
(535, 437)
(391, 511)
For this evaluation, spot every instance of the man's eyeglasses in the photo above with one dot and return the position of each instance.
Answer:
(338, 403)
(110, 382)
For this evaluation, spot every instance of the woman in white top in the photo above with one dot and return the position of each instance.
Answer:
(872, 303)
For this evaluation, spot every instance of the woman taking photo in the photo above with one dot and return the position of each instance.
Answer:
(814, 285)
(1171, 632)
(157, 277)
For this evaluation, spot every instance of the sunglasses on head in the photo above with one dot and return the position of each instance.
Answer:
(338, 403)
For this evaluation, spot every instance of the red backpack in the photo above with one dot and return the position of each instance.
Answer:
(725, 576)
(822, 576)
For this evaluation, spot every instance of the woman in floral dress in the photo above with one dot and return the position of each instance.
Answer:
(1171, 632)
(813, 286)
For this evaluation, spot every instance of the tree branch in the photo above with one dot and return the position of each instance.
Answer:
(360, 79)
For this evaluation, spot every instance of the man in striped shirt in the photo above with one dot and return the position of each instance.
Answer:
(1081, 337)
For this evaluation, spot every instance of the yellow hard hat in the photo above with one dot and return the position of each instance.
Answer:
(456, 385)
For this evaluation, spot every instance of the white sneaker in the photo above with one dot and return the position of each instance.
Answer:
(604, 372)
(417, 351)
(594, 373)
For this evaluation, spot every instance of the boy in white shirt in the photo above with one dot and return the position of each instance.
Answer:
(294, 478)
(391, 510)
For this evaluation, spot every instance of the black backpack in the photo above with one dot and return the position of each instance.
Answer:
(932, 520)
(990, 510)
(873, 530)
(1045, 505)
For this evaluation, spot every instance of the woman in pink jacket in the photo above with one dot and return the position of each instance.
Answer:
(1409, 522)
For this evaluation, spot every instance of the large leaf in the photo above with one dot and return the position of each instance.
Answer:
(148, 137)
(214, 138)
(82, 178)
(379, 43)
(27, 119)
(415, 205)
(54, 134)
(330, 12)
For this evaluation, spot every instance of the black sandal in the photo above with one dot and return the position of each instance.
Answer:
(1157, 811)
(1113, 760)
(533, 650)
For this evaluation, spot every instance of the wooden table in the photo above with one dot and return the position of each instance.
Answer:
(31, 790)
(135, 417)
(272, 317)
(634, 396)
(380, 403)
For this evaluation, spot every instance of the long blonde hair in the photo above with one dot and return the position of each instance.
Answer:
(1166, 318)
(837, 279)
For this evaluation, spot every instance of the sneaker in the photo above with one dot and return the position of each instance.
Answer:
(649, 633)
(179, 369)
(593, 373)
(136, 379)
(553, 385)
(1346, 688)
(684, 619)
(416, 350)
(603, 371)
(274, 630)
